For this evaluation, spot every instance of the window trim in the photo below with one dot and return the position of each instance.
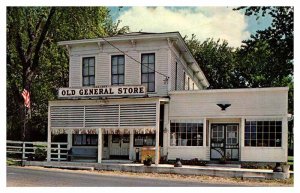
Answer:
(111, 69)
(141, 59)
(82, 69)
(187, 146)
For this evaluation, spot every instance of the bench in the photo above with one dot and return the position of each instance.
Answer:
(83, 153)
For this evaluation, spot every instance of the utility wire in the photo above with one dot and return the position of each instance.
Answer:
(167, 77)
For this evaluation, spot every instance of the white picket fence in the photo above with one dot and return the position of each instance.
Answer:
(59, 151)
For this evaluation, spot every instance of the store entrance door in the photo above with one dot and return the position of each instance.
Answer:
(119, 147)
(224, 142)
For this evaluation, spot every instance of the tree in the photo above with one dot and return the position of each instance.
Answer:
(217, 60)
(35, 62)
(267, 58)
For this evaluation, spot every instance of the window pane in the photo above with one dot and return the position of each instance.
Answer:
(272, 128)
(151, 68)
(114, 60)
(151, 58)
(92, 80)
(91, 70)
(121, 69)
(247, 142)
(253, 128)
(278, 128)
(144, 59)
(266, 129)
(85, 62)
(86, 81)
(115, 79)
(151, 77)
(194, 127)
(145, 68)
(85, 71)
(151, 87)
(247, 135)
(114, 69)
(144, 78)
(121, 60)
(121, 79)
(247, 128)
(92, 62)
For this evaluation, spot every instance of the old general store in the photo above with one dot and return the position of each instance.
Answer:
(139, 90)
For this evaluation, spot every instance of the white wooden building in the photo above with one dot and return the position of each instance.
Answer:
(146, 89)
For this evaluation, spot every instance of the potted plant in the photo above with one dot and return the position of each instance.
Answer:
(148, 160)
(285, 167)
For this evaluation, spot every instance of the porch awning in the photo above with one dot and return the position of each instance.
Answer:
(57, 131)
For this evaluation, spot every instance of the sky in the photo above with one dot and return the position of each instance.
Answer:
(215, 22)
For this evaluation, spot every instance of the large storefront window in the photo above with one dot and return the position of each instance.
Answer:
(85, 140)
(186, 134)
(144, 140)
(263, 133)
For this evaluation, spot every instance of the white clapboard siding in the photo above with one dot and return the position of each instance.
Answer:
(244, 102)
(104, 115)
(161, 65)
(270, 154)
(138, 115)
(103, 72)
(132, 69)
(75, 73)
(187, 153)
(66, 116)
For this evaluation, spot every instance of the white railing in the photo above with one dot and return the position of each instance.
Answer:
(24, 148)
(59, 151)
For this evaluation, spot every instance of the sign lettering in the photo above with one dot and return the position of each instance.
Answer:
(102, 92)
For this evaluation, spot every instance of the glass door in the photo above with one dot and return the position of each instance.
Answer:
(224, 142)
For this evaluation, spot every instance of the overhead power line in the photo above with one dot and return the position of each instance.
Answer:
(167, 77)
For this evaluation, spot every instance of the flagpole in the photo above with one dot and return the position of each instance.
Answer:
(24, 129)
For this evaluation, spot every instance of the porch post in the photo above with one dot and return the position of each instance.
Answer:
(157, 134)
(99, 145)
(131, 145)
(166, 130)
(49, 136)
(204, 132)
(70, 140)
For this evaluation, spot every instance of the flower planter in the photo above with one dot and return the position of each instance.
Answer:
(147, 162)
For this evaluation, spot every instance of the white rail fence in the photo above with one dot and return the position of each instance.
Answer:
(59, 151)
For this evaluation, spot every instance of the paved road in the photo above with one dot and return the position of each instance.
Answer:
(20, 177)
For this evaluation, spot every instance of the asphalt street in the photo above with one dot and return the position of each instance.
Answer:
(30, 177)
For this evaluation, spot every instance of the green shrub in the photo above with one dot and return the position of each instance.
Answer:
(40, 154)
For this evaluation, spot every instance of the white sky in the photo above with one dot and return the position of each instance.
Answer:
(204, 22)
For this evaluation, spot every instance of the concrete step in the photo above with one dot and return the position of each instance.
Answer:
(71, 167)
(225, 165)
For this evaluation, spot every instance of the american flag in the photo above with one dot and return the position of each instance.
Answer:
(26, 97)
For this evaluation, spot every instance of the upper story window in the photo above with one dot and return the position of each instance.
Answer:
(88, 71)
(148, 71)
(117, 70)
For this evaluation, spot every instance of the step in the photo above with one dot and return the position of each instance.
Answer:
(71, 167)
(225, 165)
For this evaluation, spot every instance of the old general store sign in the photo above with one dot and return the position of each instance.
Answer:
(102, 91)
